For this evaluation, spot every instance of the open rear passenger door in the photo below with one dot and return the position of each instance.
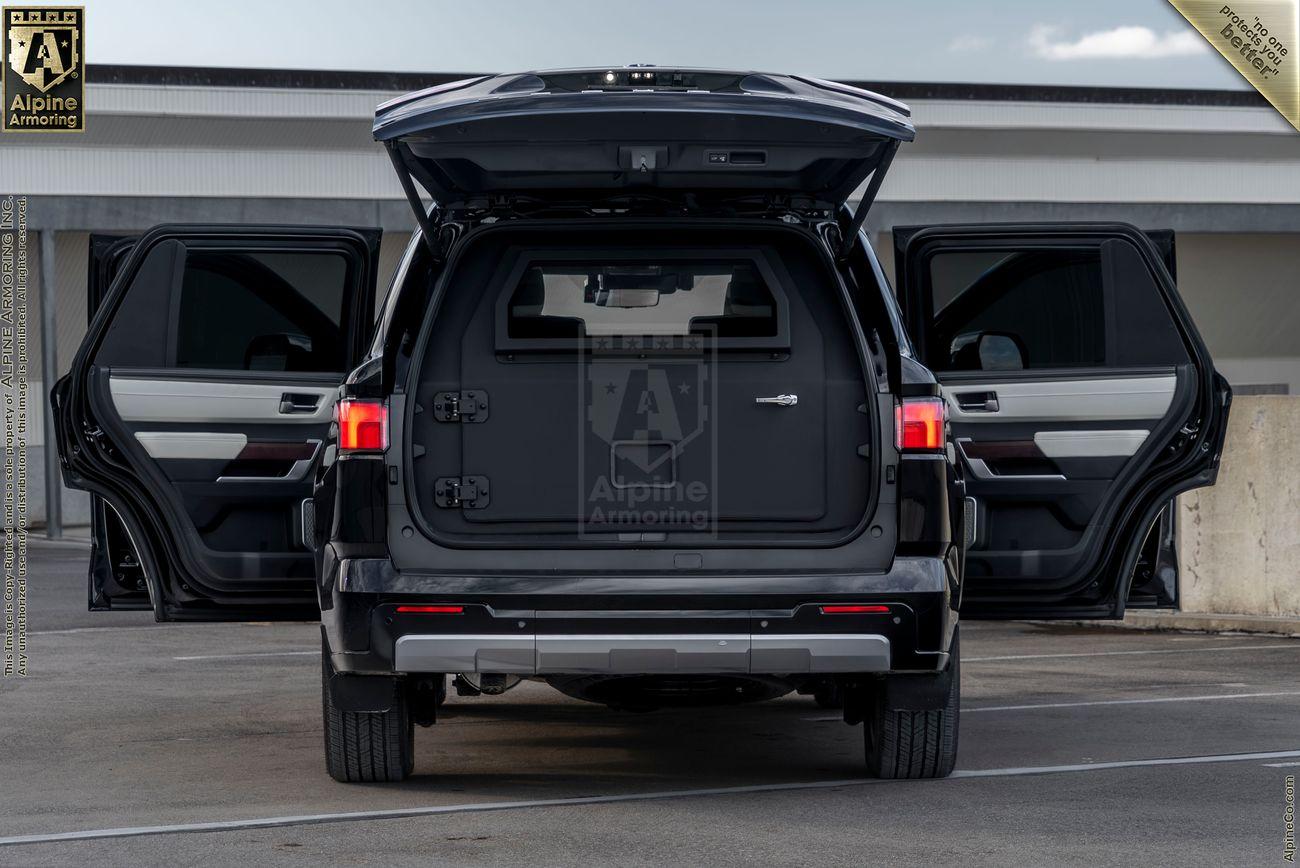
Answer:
(197, 405)
(1080, 399)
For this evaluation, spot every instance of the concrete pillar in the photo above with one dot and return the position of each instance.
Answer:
(50, 373)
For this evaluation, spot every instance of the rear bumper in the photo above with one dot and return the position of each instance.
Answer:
(640, 654)
(663, 624)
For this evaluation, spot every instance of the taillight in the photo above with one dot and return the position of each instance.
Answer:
(363, 425)
(855, 609)
(918, 424)
(431, 610)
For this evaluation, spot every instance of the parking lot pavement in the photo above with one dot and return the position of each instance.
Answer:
(193, 744)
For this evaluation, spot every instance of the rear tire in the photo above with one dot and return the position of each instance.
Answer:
(363, 746)
(909, 743)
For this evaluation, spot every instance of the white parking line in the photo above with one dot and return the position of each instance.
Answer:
(1208, 698)
(1295, 646)
(1280, 765)
(73, 630)
(249, 654)
(480, 807)
(1086, 703)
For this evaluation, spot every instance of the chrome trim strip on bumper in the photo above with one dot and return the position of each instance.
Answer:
(627, 654)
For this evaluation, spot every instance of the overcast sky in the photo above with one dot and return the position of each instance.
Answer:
(1098, 42)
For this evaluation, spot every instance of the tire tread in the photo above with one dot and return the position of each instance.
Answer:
(912, 744)
(367, 747)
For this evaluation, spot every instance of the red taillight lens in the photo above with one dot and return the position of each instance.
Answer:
(855, 610)
(918, 425)
(431, 610)
(363, 426)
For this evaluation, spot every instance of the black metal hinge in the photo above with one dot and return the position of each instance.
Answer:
(461, 492)
(471, 406)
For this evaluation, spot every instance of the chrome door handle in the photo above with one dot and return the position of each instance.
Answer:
(783, 400)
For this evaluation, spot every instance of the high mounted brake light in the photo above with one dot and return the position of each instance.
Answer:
(363, 425)
(919, 424)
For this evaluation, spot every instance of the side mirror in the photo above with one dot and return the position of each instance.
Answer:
(1000, 352)
(283, 351)
(987, 351)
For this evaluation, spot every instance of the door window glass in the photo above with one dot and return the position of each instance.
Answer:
(231, 309)
(1046, 307)
(1011, 310)
(262, 311)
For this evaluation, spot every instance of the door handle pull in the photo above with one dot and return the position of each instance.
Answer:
(299, 402)
(978, 402)
(779, 400)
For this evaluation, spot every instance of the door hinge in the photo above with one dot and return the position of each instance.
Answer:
(461, 492)
(471, 406)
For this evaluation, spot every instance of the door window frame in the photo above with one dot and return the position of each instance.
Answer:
(917, 296)
(357, 325)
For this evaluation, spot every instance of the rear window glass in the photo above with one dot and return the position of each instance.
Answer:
(710, 298)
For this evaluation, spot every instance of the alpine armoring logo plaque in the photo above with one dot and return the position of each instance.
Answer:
(45, 69)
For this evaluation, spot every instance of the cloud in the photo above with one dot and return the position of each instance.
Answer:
(967, 42)
(1140, 43)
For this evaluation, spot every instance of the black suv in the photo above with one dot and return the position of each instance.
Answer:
(640, 416)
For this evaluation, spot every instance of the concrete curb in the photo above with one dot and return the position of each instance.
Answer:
(1200, 622)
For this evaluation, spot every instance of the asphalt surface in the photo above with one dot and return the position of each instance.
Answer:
(201, 744)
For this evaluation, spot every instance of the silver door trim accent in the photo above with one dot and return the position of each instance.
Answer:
(193, 445)
(1090, 444)
(210, 401)
(1067, 399)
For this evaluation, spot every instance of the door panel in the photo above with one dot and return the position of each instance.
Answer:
(198, 402)
(1080, 398)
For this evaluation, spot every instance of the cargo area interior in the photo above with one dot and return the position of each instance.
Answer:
(641, 386)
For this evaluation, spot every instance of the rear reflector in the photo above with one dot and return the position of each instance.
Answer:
(363, 426)
(919, 424)
(855, 610)
(431, 610)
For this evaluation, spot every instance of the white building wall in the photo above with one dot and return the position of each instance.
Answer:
(189, 152)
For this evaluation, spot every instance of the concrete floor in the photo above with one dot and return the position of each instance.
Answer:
(124, 724)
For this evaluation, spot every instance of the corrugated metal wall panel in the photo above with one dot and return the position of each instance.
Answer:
(1047, 179)
(252, 102)
(49, 169)
(1096, 116)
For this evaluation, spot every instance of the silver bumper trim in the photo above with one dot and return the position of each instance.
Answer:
(626, 654)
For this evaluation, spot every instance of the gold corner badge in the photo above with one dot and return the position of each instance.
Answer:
(1258, 37)
(45, 69)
